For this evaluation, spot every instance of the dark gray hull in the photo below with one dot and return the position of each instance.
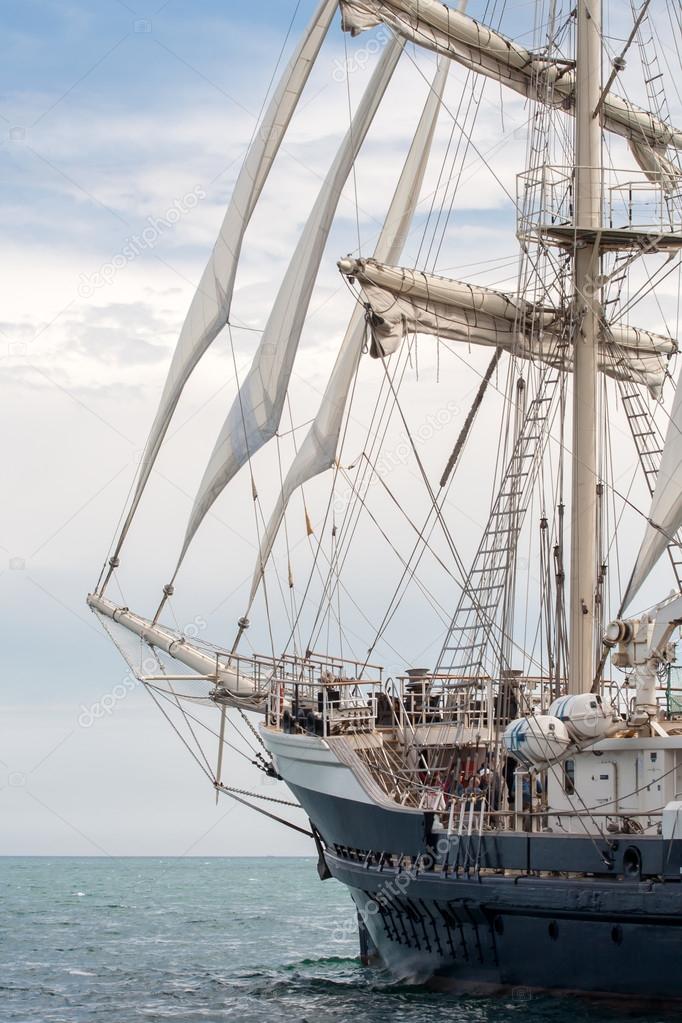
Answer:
(599, 915)
(444, 911)
(490, 933)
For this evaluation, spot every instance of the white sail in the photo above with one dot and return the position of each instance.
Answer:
(405, 301)
(318, 450)
(665, 515)
(432, 24)
(210, 307)
(257, 409)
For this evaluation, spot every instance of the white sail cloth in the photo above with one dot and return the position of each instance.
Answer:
(665, 515)
(432, 24)
(404, 301)
(318, 450)
(257, 409)
(210, 307)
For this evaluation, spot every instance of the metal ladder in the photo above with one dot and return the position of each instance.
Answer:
(474, 618)
(648, 443)
(653, 76)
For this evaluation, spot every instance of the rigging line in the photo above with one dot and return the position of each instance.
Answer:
(177, 731)
(328, 511)
(274, 73)
(258, 795)
(503, 260)
(617, 518)
(562, 443)
(433, 499)
(265, 813)
(293, 610)
(235, 749)
(446, 218)
(112, 543)
(329, 508)
(553, 768)
(315, 567)
(662, 49)
(469, 589)
(363, 615)
(467, 83)
(294, 429)
(426, 225)
(365, 471)
(332, 612)
(253, 135)
(350, 129)
(414, 526)
(163, 692)
(437, 607)
(467, 138)
(471, 82)
(289, 609)
(490, 624)
(461, 358)
(253, 490)
(182, 710)
(459, 126)
(253, 730)
(650, 283)
(241, 735)
(469, 421)
(349, 527)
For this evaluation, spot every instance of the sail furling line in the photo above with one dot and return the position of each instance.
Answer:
(452, 33)
(318, 450)
(210, 307)
(257, 409)
(404, 301)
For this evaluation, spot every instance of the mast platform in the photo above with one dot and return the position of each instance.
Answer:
(610, 239)
(637, 213)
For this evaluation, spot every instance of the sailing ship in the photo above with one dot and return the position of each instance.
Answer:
(511, 816)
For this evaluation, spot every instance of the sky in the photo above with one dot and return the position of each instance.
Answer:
(125, 120)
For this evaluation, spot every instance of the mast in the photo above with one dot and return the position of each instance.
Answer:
(588, 188)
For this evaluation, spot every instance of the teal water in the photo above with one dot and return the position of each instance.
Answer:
(128, 940)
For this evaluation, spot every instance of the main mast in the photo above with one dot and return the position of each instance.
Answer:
(588, 189)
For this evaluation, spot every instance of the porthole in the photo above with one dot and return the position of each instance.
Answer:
(632, 863)
(553, 930)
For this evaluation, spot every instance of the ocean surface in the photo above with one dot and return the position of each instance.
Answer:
(189, 940)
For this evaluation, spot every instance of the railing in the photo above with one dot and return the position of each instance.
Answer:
(475, 703)
(417, 708)
(631, 201)
(322, 705)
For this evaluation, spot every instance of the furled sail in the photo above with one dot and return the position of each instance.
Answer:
(665, 515)
(210, 307)
(404, 301)
(257, 409)
(318, 450)
(432, 24)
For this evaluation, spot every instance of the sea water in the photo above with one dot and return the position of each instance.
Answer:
(142, 940)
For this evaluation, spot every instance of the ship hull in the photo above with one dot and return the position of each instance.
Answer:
(495, 911)
(493, 934)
